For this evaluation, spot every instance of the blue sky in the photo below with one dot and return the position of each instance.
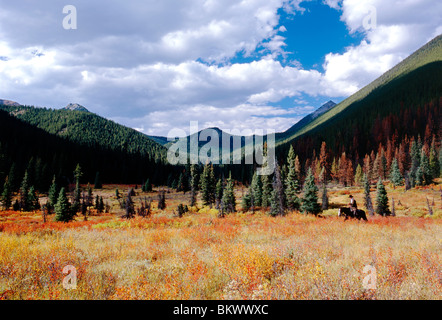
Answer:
(157, 65)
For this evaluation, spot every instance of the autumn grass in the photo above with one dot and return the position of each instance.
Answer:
(241, 256)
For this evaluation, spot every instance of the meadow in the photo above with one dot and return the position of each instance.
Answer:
(242, 256)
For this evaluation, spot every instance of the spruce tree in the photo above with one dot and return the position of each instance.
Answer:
(395, 174)
(310, 199)
(440, 161)
(34, 204)
(358, 175)
(219, 189)
(292, 183)
(229, 199)
(427, 177)
(382, 200)
(62, 209)
(52, 194)
(193, 184)
(367, 197)
(24, 193)
(246, 201)
(256, 187)
(434, 161)
(77, 192)
(277, 200)
(208, 185)
(325, 202)
(266, 191)
(6, 197)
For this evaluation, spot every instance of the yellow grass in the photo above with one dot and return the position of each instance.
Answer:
(242, 256)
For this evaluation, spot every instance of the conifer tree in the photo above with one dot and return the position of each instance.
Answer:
(358, 175)
(325, 200)
(395, 174)
(440, 161)
(292, 183)
(310, 199)
(24, 193)
(277, 200)
(208, 185)
(219, 189)
(382, 200)
(77, 192)
(52, 194)
(193, 184)
(266, 191)
(34, 204)
(425, 169)
(6, 197)
(367, 197)
(256, 187)
(229, 199)
(434, 161)
(62, 210)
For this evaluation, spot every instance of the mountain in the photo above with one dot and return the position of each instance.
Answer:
(404, 103)
(431, 52)
(121, 154)
(88, 129)
(75, 107)
(9, 103)
(305, 121)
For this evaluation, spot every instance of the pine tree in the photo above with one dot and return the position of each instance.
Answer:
(34, 204)
(310, 199)
(24, 194)
(62, 208)
(98, 184)
(129, 205)
(325, 200)
(292, 183)
(77, 192)
(358, 175)
(277, 201)
(229, 199)
(440, 161)
(246, 201)
(434, 161)
(193, 184)
(266, 191)
(208, 185)
(367, 198)
(147, 187)
(219, 189)
(256, 187)
(427, 177)
(6, 197)
(395, 174)
(53, 194)
(382, 200)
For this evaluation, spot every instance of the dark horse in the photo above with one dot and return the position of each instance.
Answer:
(360, 214)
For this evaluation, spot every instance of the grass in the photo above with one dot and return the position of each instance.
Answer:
(242, 256)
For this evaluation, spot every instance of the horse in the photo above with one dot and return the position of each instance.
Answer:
(360, 214)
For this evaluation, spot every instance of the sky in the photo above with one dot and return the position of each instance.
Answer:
(157, 65)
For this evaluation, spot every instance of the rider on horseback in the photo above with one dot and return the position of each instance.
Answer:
(353, 205)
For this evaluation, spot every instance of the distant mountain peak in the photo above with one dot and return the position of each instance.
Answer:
(75, 107)
(9, 103)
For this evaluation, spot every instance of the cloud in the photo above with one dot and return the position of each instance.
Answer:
(159, 64)
(400, 29)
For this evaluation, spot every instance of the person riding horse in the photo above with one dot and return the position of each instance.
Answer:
(353, 205)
